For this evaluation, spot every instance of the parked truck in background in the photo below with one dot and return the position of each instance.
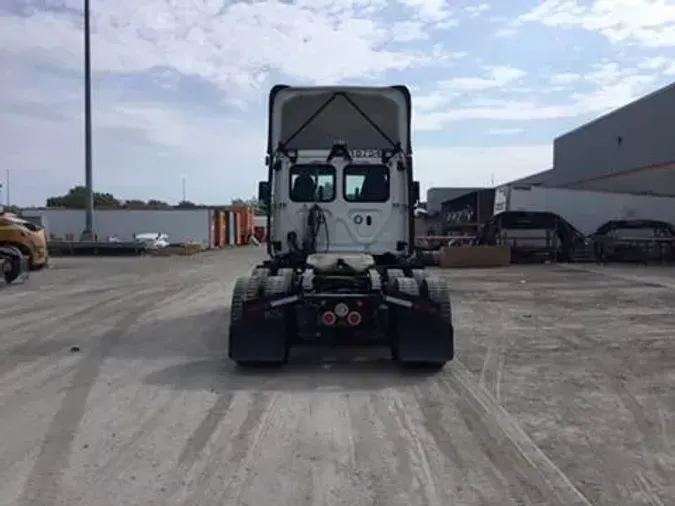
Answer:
(585, 210)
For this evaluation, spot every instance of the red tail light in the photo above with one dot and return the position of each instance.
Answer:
(328, 318)
(354, 318)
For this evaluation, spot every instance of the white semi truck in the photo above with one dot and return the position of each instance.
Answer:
(585, 210)
(340, 199)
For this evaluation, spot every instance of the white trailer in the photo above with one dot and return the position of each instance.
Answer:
(181, 225)
(586, 210)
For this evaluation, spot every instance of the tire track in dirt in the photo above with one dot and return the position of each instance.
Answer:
(42, 344)
(241, 480)
(44, 480)
(646, 421)
(226, 469)
(477, 479)
(620, 275)
(492, 370)
(512, 451)
(114, 464)
(427, 485)
(201, 436)
(382, 455)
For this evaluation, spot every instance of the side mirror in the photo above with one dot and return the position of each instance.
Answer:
(263, 191)
(415, 193)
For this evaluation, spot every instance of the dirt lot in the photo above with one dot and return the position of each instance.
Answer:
(114, 390)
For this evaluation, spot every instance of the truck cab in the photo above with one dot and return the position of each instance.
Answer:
(340, 171)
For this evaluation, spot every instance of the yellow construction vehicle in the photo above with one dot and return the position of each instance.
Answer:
(23, 245)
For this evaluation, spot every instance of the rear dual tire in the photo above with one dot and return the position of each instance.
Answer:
(249, 288)
(436, 290)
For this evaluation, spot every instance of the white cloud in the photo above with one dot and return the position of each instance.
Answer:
(506, 131)
(180, 85)
(650, 23)
(234, 46)
(565, 78)
(475, 11)
(428, 10)
(604, 87)
(449, 90)
(497, 77)
(661, 64)
(477, 166)
(139, 147)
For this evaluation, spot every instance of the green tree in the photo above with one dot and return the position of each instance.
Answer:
(76, 199)
(157, 204)
(186, 204)
(135, 204)
(258, 207)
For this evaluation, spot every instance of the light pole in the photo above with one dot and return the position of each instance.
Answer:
(88, 232)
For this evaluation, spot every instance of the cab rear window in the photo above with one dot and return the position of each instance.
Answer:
(366, 183)
(312, 183)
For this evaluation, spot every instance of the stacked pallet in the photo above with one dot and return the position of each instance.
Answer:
(475, 256)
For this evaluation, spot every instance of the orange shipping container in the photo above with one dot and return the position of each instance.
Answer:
(218, 224)
(237, 228)
(246, 217)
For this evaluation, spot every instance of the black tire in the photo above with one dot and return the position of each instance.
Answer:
(277, 285)
(12, 265)
(288, 275)
(437, 290)
(260, 272)
(420, 275)
(245, 288)
(407, 286)
(393, 274)
(249, 288)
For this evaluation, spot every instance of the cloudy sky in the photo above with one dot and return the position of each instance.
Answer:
(180, 85)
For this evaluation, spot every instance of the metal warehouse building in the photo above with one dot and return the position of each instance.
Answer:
(631, 149)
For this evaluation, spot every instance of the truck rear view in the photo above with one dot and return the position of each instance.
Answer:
(340, 199)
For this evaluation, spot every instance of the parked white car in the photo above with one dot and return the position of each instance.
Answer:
(154, 240)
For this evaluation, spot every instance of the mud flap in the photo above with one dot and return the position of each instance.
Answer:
(259, 336)
(421, 334)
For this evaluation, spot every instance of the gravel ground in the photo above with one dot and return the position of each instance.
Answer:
(114, 390)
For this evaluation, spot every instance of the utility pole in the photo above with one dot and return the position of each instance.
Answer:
(88, 233)
(7, 189)
(184, 189)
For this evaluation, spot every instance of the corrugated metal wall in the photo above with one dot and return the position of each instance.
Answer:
(635, 136)
(181, 225)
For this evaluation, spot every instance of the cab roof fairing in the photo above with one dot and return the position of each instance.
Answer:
(365, 117)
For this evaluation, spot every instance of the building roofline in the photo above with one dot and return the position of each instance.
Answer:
(622, 108)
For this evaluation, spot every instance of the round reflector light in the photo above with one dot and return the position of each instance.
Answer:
(341, 310)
